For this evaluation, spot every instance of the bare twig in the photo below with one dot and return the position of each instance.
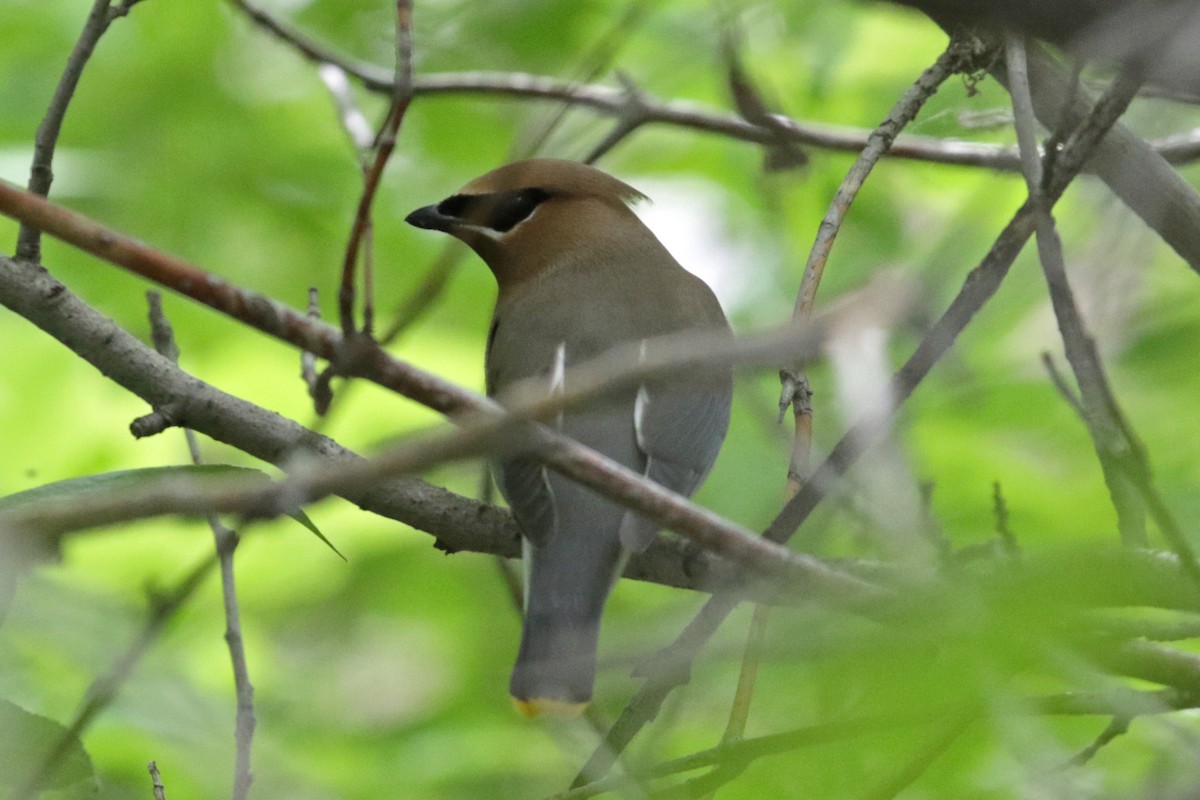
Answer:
(1122, 457)
(956, 57)
(226, 541)
(421, 300)
(980, 285)
(1119, 157)
(1116, 453)
(41, 173)
(795, 390)
(1119, 726)
(1127, 164)
(1060, 384)
(1140, 478)
(750, 104)
(385, 143)
(739, 712)
(592, 64)
(633, 116)
(1126, 703)
(1000, 510)
(160, 790)
(1177, 149)
(308, 361)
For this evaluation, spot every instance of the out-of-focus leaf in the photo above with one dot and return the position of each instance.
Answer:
(25, 741)
(91, 486)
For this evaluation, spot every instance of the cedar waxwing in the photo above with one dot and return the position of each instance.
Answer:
(579, 273)
(1159, 39)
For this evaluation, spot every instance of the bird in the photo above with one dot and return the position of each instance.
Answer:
(579, 274)
(1159, 40)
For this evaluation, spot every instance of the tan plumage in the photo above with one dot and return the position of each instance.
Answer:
(578, 274)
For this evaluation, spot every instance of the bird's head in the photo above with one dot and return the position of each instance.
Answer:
(530, 216)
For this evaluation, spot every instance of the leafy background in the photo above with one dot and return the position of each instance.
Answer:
(386, 676)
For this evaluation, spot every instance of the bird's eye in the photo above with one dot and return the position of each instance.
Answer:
(512, 208)
(456, 206)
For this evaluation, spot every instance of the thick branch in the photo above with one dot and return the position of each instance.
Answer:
(456, 522)
(360, 356)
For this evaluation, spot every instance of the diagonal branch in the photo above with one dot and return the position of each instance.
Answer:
(361, 357)
(457, 523)
(1117, 455)
(980, 285)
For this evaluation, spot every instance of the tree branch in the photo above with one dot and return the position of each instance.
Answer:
(41, 173)
(362, 357)
(980, 285)
(226, 542)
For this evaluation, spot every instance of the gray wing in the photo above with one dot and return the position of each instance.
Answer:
(525, 484)
(679, 430)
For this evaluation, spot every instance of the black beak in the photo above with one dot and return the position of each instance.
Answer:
(429, 218)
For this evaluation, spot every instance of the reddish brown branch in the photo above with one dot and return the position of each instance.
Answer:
(361, 357)
(385, 145)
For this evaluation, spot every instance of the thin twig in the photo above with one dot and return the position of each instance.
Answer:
(593, 64)
(1060, 384)
(41, 173)
(1117, 455)
(160, 790)
(954, 59)
(674, 666)
(749, 102)
(1000, 509)
(1119, 726)
(742, 752)
(308, 361)
(795, 389)
(1176, 149)
(739, 712)
(1125, 703)
(1140, 478)
(385, 144)
(226, 542)
(979, 287)
(1125, 162)
(633, 116)
(421, 300)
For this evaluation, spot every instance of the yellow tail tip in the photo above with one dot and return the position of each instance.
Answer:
(547, 707)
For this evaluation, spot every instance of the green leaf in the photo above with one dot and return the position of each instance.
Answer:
(91, 486)
(25, 742)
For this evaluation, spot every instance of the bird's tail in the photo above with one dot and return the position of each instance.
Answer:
(556, 666)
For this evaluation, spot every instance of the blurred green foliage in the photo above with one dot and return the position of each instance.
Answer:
(386, 676)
